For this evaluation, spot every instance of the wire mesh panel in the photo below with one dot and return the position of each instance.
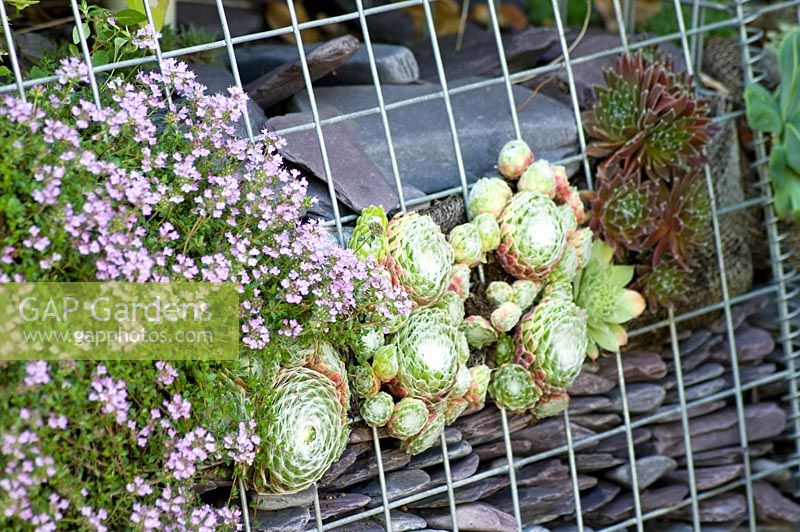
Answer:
(575, 469)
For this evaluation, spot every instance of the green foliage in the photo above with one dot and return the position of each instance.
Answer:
(665, 22)
(779, 115)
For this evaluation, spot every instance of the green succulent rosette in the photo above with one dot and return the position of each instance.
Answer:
(427, 354)
(367, 342)
(524, 293)
(515, 156)
(384, 363)
(552, 341)
(479, 384)
(504, 350)
(488, 231)
(420, 259)
(427, 436)
(377, 410)
(600, 290)
(532, 236)
(408, 418)
(459, 281)
(452, 304)
(489, 195)
(512, 387)
(499, 292)
(479, 332)
(467, 245)
(539, 178)
(506, 316)
(369, 235)
(363, 381)
(307, 431)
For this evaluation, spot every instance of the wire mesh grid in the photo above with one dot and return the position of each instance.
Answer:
(739, 16)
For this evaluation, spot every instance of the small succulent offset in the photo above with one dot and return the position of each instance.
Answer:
(647, 117)
(506, 316)
(514, 158)
(539, 177)
(467, 244)
(499, 292)
(459, 281)
(489, 195)
(488, 230)
(369, 235)
(479, 332)
(420, 258)
(779, 115)
(409, 416)
(377, 410)
(600, 290)
(309, 430)
(512, 387)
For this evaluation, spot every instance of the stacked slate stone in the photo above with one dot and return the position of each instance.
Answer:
(545, 487)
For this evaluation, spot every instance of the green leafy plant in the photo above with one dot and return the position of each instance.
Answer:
(778, 114)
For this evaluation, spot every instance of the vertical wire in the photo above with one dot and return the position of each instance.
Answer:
(437, 56)
(697, 39)
(245, 506)
(626, 415)
(317, 512)
(87, 56)
(149, 14)
(573, 92)
(573, 471)
(687, 436)
(387, 515)
(501, 52)
(623, 33)
(12, 51)
(381, 105)
(512, 474)
(312, 100)
(226, 32)
(451, 496)
(772, 237)
(742, 424)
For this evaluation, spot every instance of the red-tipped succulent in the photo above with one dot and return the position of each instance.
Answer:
(648, 117)
(626, 209)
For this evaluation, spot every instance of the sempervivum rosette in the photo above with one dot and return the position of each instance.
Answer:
(533, 237)
(551, 342)
(427, 437)
(427, 354)
(307, 432)
(513, 388)
(420, 259)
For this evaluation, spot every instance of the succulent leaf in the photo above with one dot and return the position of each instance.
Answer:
(427, 437)
(488, 230)
(525, 292)
(504, 350)
(384, 363)
(363, 380)
(454, 307)
(479, 384)
(463, 380)
(459, 281)
(454, 408)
